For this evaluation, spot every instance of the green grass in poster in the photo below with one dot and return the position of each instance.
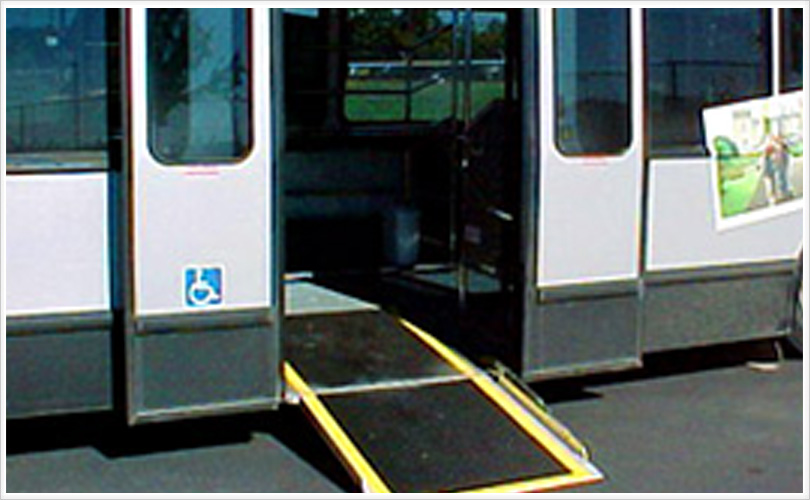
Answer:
(737, 193)
(739, 179)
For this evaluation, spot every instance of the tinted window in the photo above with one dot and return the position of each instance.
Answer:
(401, 63)
(791, 49)
(305, 69)
(56, 88)
(198, 85)
(699, 57)
(592, 80)
(486, 71)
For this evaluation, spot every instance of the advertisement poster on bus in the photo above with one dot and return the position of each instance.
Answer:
(757, 155)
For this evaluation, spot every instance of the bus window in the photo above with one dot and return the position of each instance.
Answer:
(198, 85)
(487, 69)
(400, 63)
(592, 81)
(56, 89)
(791, 50)
(699, 57)
(397, 58)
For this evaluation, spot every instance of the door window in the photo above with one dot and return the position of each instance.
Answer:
(592, 81)
(198, 85)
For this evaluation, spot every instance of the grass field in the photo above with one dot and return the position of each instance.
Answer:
(432, 103)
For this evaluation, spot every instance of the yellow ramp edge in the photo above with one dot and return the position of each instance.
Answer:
(371, 481)
(580, 471)
(528, 418)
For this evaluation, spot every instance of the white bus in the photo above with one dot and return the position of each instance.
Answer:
(184, 185)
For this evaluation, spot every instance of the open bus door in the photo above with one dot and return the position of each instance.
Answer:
(583, 278)
(404, 411)
(197, 249)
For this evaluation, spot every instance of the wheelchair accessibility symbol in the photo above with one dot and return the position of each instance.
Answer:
(203, 286)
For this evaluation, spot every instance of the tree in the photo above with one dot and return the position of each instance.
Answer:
(386, 34)
(490, 42)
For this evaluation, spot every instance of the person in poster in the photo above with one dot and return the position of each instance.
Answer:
(775, 162)
(757, 157)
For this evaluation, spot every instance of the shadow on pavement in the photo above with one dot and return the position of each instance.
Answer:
(671, 363)
(107, 433)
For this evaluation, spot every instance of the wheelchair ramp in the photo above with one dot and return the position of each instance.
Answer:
(417, 417)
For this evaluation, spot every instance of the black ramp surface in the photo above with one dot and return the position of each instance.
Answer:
(442, 437)
(358, 348)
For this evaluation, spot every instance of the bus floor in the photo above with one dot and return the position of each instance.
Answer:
(486, 325)
(701, 422)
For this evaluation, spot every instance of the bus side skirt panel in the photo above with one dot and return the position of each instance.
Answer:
(690, 309)
(583, 329)
(58, 364)
(211, 363)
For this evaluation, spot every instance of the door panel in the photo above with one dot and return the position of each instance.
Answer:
(202, 215)
(584, 314)
(193, 210)
(590, 156)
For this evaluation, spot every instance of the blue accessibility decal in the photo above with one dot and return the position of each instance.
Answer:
(203, 286)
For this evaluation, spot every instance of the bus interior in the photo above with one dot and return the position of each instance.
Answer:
(401, 168)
